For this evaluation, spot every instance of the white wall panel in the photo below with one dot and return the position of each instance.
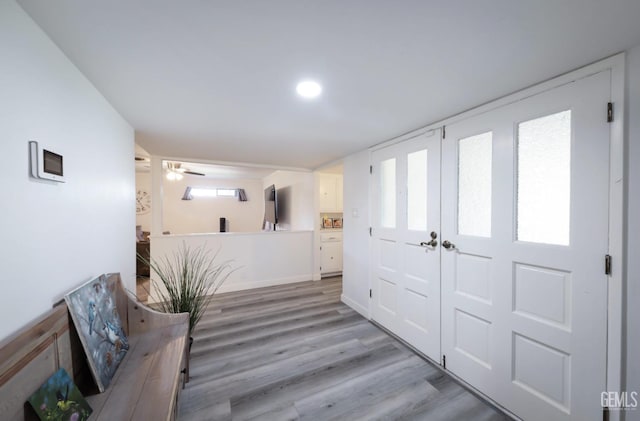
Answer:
(355, 270)
(260, 259)
(57, 235)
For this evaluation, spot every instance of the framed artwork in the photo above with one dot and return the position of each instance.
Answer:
(337, 223)
(327, 223)
(95, 316)
(59, 399)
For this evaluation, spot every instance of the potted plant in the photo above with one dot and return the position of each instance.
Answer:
(188, 279)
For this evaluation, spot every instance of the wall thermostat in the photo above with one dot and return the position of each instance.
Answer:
(45, 163)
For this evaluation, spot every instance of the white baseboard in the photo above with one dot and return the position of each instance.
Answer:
(356, 306)
(239, 286)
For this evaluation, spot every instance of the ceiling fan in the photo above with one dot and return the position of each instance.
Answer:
(177, 168)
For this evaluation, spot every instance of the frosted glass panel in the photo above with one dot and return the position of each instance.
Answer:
(544, 179)
(417, 190)
(474, 185)
(388, 193)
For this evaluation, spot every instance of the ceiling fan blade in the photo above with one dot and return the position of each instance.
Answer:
(193, 173)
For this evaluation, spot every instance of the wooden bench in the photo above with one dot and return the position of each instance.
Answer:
(146, 386)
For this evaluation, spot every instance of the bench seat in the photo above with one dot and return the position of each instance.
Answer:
(146, 385)
(148, 377)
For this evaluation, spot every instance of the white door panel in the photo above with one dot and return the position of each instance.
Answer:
(406, 271)
(517, 302)
(524, 296)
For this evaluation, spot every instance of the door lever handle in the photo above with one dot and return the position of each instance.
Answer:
(448, 245)
(431, 243)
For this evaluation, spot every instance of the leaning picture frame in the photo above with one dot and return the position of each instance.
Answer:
(59, 399)
(94, 313)
(337, 222)
(327, 222)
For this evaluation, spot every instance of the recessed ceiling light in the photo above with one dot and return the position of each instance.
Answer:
(308, 89)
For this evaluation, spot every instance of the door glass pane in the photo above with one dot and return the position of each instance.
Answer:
(388, 193)
(544, 179)
(474, 185)
(417, 190)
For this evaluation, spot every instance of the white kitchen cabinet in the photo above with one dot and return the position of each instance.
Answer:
(330, 188)
(331, 252)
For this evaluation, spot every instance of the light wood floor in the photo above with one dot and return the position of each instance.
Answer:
(295, 352)
(142, 288)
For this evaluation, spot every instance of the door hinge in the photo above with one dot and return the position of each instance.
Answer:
(609, 112)
(607, 264)
(444, 361)
(444, 132)
(320, 248)
(370, 294)
(370, 231)
(370, 169)
(605, 413)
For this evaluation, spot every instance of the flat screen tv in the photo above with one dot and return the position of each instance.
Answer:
(271, 206)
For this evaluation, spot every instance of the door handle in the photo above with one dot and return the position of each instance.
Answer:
(433, 241)
(448, 245)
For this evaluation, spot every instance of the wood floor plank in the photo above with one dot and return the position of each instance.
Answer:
(279, 350)
(352, 399)
(289, 413)
(267, 329)
(288, 391)
(318, 327)
(244, 312)
(259, 377)
(295, 352)
(264, 324)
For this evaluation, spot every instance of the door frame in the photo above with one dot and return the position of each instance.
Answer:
(617, 186)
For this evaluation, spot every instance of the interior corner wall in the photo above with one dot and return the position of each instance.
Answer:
(355, 270)
(295, 199)
(202, 214)
(57, 235)
(633, 229)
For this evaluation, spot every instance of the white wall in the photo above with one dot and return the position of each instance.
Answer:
(355, 271)
(55, 236)
(633, 232)
(202, 214)
(260, 259)
(296, 196)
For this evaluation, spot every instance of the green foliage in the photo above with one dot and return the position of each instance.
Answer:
(188, 279)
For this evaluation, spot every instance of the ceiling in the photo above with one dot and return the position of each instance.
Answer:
(215, 80)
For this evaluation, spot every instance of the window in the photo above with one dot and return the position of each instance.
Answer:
(227, 192)
(544, 179)
(417, 190)
(192, 192)
(474, 185)
(388, 193)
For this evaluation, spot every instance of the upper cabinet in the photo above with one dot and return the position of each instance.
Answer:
(330, 192)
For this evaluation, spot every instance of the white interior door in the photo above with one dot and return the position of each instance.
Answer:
(524, 294)
(406, 256)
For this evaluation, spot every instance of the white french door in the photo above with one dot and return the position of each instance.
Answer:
(406, 259)
(524, 293)
(520, 254)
